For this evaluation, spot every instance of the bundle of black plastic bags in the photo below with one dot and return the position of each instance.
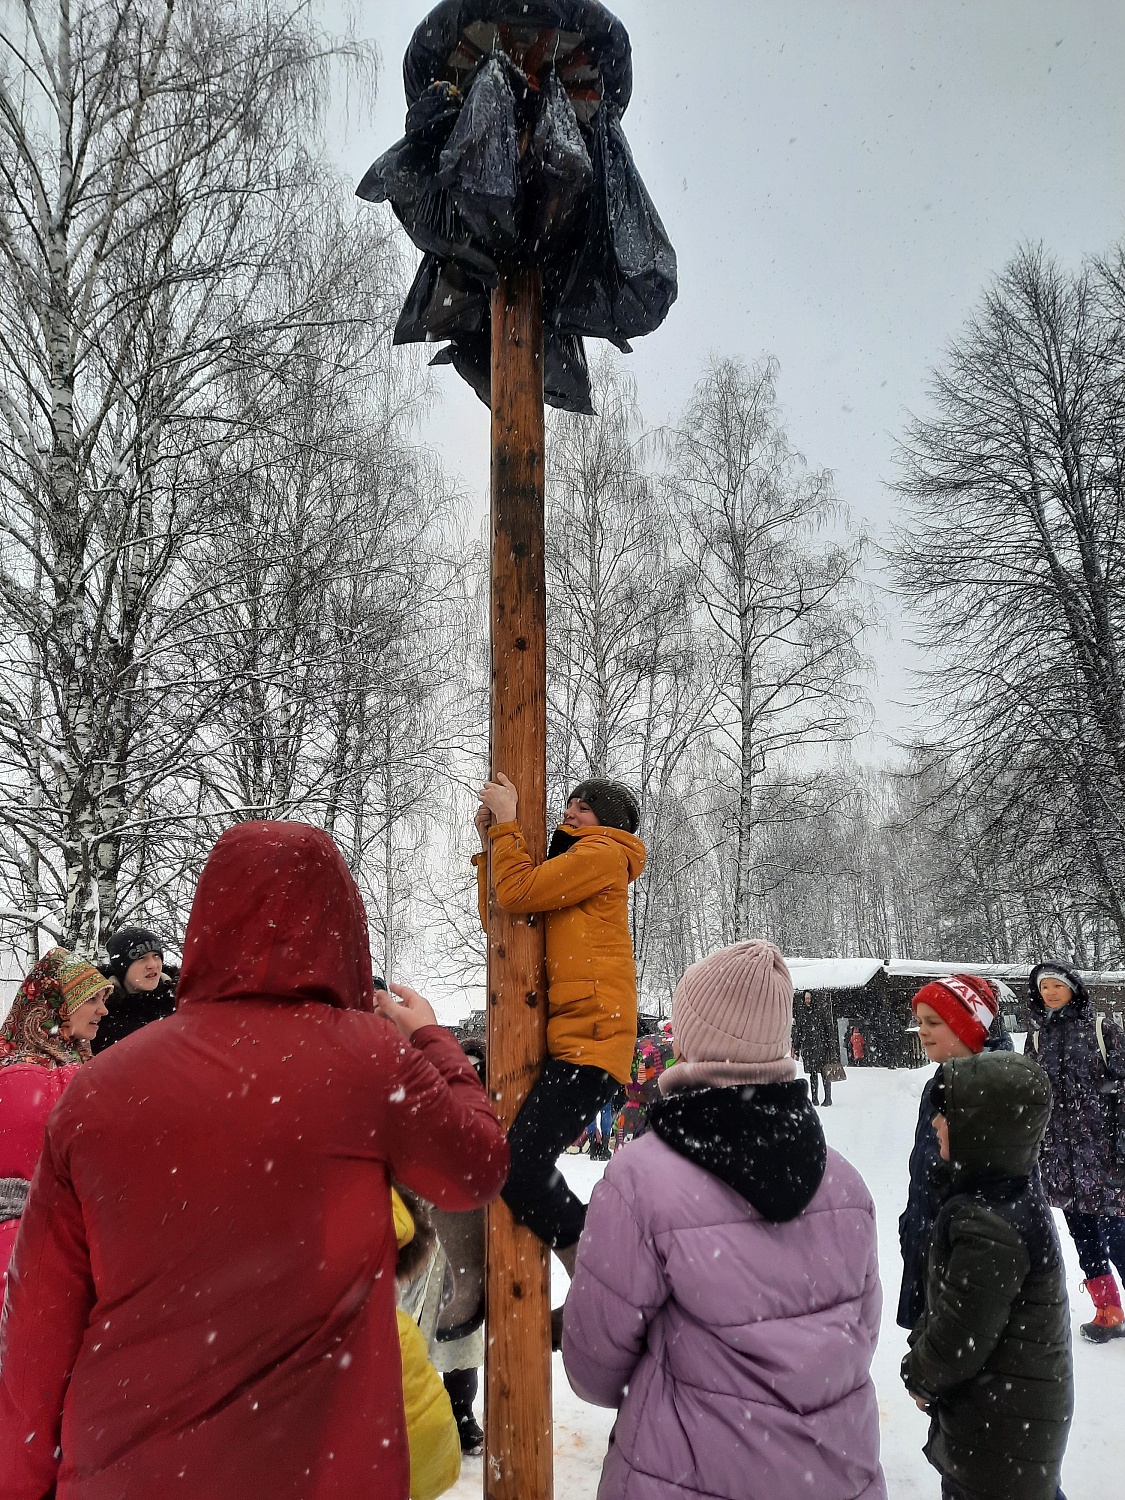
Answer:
(502, 167)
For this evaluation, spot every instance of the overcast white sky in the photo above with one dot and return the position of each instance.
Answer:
(840, 179)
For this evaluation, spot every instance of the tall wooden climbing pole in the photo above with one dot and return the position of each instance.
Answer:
(518, 1426)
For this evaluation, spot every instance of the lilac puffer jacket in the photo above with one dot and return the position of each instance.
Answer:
(737, 1350)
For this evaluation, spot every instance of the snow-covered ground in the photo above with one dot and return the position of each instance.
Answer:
(872, 1123)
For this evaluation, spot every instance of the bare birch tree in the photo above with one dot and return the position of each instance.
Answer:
(611, 589)
(334, 613)
(151, 158)
(626, 698)
(1012, 561)
(777, 596)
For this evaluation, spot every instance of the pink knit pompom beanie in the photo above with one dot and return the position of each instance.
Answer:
(732, 1015)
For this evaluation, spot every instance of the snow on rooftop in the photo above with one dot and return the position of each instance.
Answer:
(854, 973)
(925, 967)
(832, 973)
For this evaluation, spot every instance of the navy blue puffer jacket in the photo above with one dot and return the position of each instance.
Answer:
(1082, 1167)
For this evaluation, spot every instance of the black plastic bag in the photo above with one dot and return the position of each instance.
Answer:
(423, 207)
(406, 171)
(622, 281)
(432, 116)
(457, 34)
(496, 171)
(470, 354)
(444, 300)
(480, 164)
(560, 174)
(398, 176)
(645, 261)
(406, 178)
(566, 375)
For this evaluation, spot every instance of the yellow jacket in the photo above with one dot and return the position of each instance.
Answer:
(431, 1428)
(591, 971)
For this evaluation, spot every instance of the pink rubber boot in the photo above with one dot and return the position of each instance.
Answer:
(1109, 1320)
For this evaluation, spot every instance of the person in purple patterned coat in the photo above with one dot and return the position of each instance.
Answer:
(732, 1316)
(1083, 1156)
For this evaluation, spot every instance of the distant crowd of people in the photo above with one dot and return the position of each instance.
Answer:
(241, 1206)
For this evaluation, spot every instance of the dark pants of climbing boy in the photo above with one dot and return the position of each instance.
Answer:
(564, 1098)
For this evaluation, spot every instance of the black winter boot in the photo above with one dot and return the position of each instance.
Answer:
(462, 1388)
(471, 1434)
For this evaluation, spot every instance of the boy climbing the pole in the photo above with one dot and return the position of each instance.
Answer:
(582, 888)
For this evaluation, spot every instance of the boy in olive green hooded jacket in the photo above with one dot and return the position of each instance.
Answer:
(990, 1357)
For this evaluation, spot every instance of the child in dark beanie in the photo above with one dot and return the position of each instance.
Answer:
(990, 1357)
(583, 888)
(143, 990)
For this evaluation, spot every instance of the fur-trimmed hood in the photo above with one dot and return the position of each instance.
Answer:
(1080, 1005)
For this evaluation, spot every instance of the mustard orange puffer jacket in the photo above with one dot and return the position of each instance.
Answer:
(591, 972)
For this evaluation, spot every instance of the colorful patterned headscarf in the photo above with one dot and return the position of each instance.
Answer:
(53, 990)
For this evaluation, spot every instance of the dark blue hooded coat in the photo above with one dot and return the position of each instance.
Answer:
(1082, 1164)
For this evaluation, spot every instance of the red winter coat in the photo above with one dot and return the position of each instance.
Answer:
(28, 1094)
(202, 1297)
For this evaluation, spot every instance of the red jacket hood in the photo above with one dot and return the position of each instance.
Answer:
(277, 916)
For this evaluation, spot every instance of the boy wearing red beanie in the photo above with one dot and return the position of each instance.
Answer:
(957, 1016)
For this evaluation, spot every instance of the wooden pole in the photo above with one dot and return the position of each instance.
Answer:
(519, 1445)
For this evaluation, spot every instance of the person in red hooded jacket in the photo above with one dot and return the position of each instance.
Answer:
(202, 1296)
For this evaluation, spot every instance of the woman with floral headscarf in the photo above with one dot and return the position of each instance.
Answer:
(44, 1040)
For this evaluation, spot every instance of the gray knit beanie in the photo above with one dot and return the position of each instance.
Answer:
(732, 1015)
